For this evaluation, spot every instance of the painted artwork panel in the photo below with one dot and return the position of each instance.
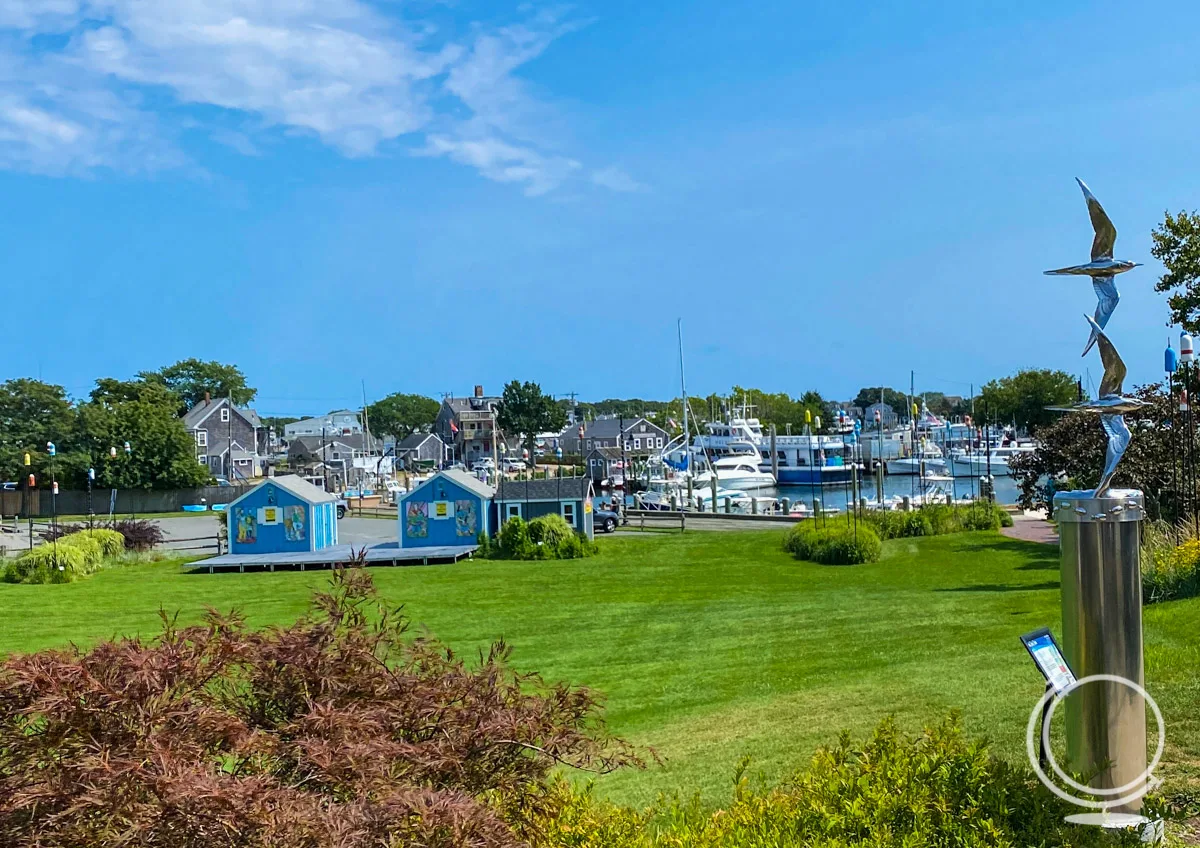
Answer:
(246, 524)
(466, 518)
(416, 520)
(295, 523)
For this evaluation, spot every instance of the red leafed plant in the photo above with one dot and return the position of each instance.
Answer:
(341, 731)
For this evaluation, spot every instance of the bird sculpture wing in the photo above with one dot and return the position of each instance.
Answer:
(1114, 368)
(1107, 298)
(1118, 440)
(1106, 233)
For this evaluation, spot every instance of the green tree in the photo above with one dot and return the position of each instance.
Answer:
(33, 413)
(191, 379)
(524, 410)
(1176, 244)
(145, 414)
(400, 415)
(1022, 398)
(898, 401)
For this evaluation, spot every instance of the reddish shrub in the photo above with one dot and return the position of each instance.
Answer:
(337, 732)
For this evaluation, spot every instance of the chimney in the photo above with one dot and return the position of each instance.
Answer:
(479, 391)
(207, 398)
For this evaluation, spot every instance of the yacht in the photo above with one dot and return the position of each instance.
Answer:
(802, 460)
(978, 461)
(928, 455)
(739, 469)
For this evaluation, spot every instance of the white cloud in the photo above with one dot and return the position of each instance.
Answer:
(616, 179)
(338, 70)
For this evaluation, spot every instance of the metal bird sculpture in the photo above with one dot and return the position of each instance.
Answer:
(1103, 268)
(1112, 406)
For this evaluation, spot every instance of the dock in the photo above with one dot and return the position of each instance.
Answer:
(383, 553)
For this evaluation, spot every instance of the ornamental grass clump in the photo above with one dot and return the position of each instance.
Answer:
(833, 544)
(340, 730)
(1170, 564)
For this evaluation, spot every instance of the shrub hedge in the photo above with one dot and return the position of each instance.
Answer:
(48, 564)
(834, 544)
(545, 537)
(938, 520)
(896, 790)
(73, 557)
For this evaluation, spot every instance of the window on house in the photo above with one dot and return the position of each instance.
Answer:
(659, 442)
(590, 444)
(568, 512)
(202, 459)
(224, 414)
(512, 511)
(628, 446)
(637, 442)
(201, 438)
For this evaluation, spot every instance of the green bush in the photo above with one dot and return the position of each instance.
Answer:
(937, 520)
(545, 537)
(892, 790)
(48, 564)
(512, 542)
(835, 544)
(550, 531)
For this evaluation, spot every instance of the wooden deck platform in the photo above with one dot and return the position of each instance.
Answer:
(385, 553)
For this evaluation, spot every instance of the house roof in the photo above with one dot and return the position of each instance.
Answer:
(470, 403)
(353, 441)
(196, 416)
(415, 440)
(297, 486)
(606, 452)
(610, 428)
(566, 488)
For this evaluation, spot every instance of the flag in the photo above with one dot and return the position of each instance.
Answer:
(453, 426)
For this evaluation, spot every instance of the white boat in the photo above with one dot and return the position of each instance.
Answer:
(980, 461)
(928, 459)
(801, 460)
(739, 471)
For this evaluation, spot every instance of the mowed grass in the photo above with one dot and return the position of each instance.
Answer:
(709, 646)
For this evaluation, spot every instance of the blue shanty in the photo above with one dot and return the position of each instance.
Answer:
(449, 509)
(282, 515)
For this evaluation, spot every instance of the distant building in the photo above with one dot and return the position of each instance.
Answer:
(602, 463)
(341, 461)
(421, 449)
(230, 440)
(467, 426)
(343, 421)
(639, 438)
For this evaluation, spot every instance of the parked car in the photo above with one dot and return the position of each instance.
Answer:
(605, 519)
(483, 465)
(456, 466)
(342, 507)
(514, 465)
(221, 481)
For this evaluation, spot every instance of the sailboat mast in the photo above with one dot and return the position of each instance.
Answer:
(682, 385)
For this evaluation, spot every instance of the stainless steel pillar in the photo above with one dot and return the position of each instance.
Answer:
(1102, 634)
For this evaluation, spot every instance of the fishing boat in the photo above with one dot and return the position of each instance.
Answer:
(808, 460)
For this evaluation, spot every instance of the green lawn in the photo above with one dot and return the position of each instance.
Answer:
(708, 645)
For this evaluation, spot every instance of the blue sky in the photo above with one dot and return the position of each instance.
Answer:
(430, 195)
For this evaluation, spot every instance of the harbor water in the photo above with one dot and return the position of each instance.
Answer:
(893, 485)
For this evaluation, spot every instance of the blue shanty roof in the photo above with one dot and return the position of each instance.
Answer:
(297, 486)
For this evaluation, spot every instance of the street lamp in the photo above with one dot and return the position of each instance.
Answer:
(91, 478)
